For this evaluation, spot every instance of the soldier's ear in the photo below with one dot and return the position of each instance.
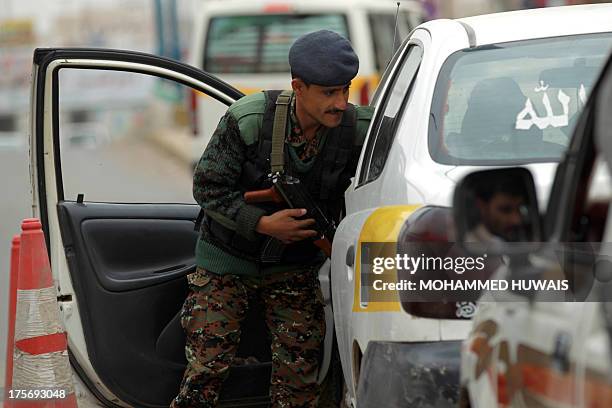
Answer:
(298, 86)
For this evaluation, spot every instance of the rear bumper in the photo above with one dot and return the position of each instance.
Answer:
(410, 375)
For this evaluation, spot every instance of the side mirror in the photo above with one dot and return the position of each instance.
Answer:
(496, 212)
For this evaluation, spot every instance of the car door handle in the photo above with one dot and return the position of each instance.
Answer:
(350, 256)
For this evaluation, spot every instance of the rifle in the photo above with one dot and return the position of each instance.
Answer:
(289, 191)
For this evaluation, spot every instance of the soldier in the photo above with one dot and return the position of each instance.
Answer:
(323, 136)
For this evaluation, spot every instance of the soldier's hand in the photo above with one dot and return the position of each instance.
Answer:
(284, 226)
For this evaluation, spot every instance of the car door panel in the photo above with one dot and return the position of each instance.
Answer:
(125, 264)
(128, 264)
(130, 247)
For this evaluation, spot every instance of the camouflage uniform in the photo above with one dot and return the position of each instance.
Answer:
(211, 317)
(220, 288)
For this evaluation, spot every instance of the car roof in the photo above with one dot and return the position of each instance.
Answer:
(539, 23)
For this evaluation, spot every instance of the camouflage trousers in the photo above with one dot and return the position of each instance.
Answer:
(211, 317)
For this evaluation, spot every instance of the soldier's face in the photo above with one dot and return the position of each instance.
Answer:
(323, 104)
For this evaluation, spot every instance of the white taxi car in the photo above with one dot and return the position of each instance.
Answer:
(494, 90)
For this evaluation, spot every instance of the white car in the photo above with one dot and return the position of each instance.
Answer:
(493, 90)
(541, 348)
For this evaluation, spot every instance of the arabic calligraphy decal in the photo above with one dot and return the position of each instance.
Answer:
(528, 117)
(466, 310)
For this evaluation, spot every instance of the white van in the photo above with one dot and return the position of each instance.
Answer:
(246, 43)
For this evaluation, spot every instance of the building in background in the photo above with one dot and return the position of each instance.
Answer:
(17, 38)
(123, 24)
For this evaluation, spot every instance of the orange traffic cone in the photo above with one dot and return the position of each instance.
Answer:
(41, 370)
(10, 341)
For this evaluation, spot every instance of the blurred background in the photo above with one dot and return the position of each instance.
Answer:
(124, 136)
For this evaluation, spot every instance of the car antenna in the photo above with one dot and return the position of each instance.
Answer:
(395, 29)
(394, 36)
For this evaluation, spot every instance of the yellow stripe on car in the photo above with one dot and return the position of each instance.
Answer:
(383, 225)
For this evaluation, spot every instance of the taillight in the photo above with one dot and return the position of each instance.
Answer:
(364, 94)
(193, 111)
(273, 8)
(429, 233)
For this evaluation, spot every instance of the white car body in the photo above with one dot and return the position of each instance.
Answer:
(411, 179)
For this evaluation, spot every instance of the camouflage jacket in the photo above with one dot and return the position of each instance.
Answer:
(215, 183)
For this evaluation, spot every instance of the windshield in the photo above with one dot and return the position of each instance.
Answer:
(513, 103)
(260, 43)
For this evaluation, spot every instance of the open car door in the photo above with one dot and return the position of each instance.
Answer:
(113, 190)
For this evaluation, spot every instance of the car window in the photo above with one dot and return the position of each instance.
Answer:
(591, 200)
(386, 74)
(513, 103)
(385, 123)
(260, 43)
(578, 252)
(577, 215)
(124, 137)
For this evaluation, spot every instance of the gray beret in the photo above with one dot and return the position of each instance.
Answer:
(323, 58)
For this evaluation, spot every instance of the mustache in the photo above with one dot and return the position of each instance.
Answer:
(334, 111)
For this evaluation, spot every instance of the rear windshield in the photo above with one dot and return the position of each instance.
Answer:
(260, 43)
(513, 103)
